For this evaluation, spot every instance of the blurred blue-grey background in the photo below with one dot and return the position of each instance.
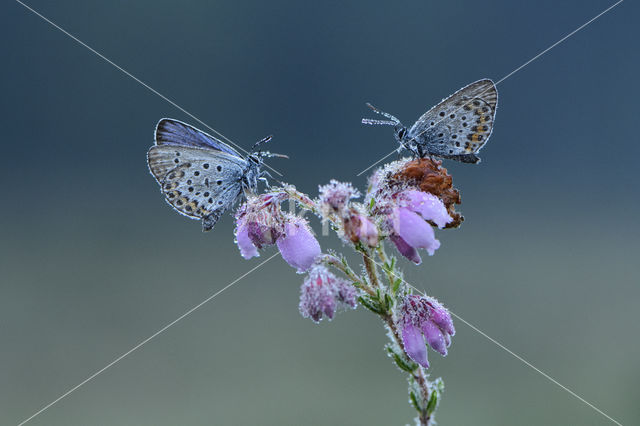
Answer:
(92, 260)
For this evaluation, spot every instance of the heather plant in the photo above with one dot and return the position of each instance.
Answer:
(403, 203)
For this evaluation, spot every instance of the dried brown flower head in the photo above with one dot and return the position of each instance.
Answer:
(429, 176)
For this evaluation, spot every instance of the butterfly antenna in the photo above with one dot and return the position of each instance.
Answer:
(374, 122)
(384, 114)
(393, 121)
(272, 154)
(260, 142)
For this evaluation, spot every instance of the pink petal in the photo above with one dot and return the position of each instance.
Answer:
(427, 205)
(434, 337)
(406, 250)
(299, 247)
(442, 318)
(247, 249)
(414, 344)
(415, 231)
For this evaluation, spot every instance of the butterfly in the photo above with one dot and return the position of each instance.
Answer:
(456, 128)
(200, 176)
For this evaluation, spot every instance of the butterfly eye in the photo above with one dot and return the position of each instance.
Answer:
(401, 133)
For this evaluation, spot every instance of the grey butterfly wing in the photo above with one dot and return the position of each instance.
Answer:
(460, 125)
(198, 183)
(175, 132)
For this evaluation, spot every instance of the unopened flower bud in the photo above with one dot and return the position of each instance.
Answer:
(322, 293)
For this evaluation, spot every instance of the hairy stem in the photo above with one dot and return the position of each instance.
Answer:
(372, 269)
(418, 374)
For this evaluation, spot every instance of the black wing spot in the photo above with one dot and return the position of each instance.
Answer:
(205, 165)
(179, 202)
(188, 208)
(454, 136)
(452, 116)
(450, 151)
(442, 114)
(433, 123)
(189, 182)
(464, 124)
(440, 135)
(176, 161)
(457, 143)
(464, 117)
(190, 189)
(196, 173)
(219, 182)
(210, 200)
(206, 194)
(219, 168)
(177, 154)
(219, 202)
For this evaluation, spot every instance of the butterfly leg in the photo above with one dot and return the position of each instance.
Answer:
(263, 177)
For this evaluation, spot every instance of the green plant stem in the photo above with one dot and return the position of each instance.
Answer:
(418, 374)
(371, 268)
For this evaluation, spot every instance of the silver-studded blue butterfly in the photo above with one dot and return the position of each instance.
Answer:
(456, 128)
(200, 176)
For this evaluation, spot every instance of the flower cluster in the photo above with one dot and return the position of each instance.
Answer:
(424, 320)
(412, 195)
(322, 293)
(404, 202)
(353, 223)
(335, 196)
(261, 222)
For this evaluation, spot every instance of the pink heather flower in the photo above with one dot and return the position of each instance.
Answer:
(409, 232)
(298, 247)
(322, 293)
(335, 196)
(246, 246)
(425, 321)
(427, 205)
(358, 227)
(259, 223)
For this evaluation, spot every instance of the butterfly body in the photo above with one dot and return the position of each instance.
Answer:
(200, 176)
(456, 128)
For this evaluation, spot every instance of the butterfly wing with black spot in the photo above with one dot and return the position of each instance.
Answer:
(460, 125)
(175, 132)
(198, 183)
